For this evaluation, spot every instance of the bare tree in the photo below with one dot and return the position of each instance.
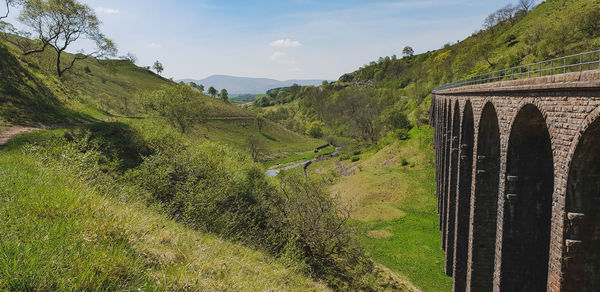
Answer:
(255, 147)
(130, 57)
(59, 23)
(260, 122)
(526, 4)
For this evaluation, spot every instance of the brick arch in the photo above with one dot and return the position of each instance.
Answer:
(529, 189)
(452, 188)
(463, 196)
(482, 235)
(580, 239)
(446, 169)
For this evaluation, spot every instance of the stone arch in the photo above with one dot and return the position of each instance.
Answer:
(529, 186)
(446, 172)
(485, 202)
(582, 206)
(452, 182)
(463, 198)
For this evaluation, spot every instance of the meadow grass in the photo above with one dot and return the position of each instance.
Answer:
(59, 233)
(391, 194)
(301, 157)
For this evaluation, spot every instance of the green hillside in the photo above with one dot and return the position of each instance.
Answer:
(59, 233)
(132, 201)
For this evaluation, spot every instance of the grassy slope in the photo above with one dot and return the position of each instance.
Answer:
(56, 223)
(31, 94)
(395, 205)
(552, 29)
(60, 234)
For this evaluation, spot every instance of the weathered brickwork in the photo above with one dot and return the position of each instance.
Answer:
(518, 174)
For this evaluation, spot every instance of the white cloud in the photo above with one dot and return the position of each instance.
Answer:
(285, 43)
(153, 46)
(107, 10)
(278, 56)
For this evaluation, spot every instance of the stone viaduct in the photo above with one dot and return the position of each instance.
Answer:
(518, 183)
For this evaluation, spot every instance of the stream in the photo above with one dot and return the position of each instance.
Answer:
(276, 171)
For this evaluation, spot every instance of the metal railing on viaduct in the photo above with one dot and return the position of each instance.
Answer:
(518, 177)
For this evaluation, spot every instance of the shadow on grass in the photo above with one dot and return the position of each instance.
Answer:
(118, 142)
(269, 137)
(26, 100)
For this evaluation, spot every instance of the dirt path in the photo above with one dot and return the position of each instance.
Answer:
(9, 132)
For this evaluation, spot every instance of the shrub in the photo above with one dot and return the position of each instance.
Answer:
(180, 105)
(402, 134)
(211, 188)
(355, 158)
(315, 129)
(345, 156)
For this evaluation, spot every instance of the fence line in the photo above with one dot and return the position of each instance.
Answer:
(572, 63)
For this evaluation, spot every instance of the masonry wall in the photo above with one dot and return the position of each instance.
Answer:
(569, 103)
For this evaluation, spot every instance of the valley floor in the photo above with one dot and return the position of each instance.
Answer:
(391, 193)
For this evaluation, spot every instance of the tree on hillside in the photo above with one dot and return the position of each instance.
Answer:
(180, 105)
(256, 147)
(158, 67)
(526, 4)
(224, 95)
(212, 91)
(130, 57)
(200, 87)
(408, 51)
(59, 23)
(260, 122)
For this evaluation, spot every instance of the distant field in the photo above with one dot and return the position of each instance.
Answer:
(244, 98)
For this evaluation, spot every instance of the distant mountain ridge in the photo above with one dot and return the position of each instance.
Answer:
(248, 85)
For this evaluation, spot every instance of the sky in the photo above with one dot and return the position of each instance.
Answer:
(282, 39)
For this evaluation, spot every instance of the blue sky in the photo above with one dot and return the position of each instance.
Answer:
(293, 39)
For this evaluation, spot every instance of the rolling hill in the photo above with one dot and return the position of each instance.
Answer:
(243, 85)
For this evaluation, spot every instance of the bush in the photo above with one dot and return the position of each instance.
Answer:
(402, 134)
(355, 158)
(345, 156)
(180, 105)
(315, 129)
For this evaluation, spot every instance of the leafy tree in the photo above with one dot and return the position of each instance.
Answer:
(200, 87)
(399, 120)
(158, 67)
(59, 23)
(179, 105)
(589, 24)
(212, 91)
(315, 129)
(224, 95)
(408, 51)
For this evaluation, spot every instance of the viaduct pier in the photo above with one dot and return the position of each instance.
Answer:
(518, 182)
